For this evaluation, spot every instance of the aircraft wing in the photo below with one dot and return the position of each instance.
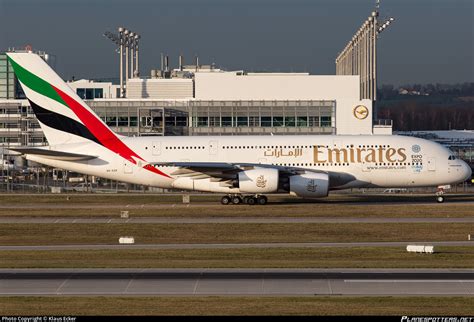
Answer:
(225, 171)
(200, 170)
(52, 154)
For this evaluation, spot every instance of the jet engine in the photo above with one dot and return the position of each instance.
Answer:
(309, 185)
(259, 180)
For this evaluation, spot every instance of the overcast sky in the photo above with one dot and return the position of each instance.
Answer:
(431, 40)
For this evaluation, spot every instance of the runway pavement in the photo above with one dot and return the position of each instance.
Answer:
(226, 220)
(264, 282)
(231, 246)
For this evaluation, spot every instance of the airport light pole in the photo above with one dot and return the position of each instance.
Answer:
(132, 53)
(118, 40)
(137, 70)
(359, 56)
(126, 34)
(128, 40)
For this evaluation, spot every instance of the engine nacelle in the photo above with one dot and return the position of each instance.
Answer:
(309, 185)
(260, 180)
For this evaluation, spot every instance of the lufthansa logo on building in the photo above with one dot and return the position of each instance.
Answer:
(361, 112)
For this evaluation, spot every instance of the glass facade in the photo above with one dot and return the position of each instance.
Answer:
(254, 117)
(90, 93)
(217, 117)
(7, 79)
(18, 125)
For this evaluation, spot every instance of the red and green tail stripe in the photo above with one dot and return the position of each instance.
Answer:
(100, 132)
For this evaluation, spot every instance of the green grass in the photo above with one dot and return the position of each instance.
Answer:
(352, 257)
(82, 205)
(441, 306)
(65, 234)
(68, 198)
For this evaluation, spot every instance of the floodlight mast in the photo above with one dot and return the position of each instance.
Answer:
(375, 14)
(117, 39)
(137, 70)
(359, 56)
(129, 40)
(126, 33)
(122, 90)
(132, 53)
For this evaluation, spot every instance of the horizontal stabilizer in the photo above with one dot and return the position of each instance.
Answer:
(54, 155)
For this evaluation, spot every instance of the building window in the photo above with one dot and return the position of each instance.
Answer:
(302, 121)
(226, 121)
(89, 93)
(111, 121)
(181, 121)
(289, 121)
(133, 121)
(242, 121)
(170, 121)
(278, 121)
(98, 93)
(214, 121)
(254, 121)
(81, 92)
(325, 121)
(123, 121)
(266, 121)
(202, 121)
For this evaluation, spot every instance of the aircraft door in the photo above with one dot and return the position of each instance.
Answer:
(127, 167)
(213, 146)
(156, 149)
(431, 164)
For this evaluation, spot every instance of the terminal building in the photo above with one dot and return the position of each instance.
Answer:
(239, 103)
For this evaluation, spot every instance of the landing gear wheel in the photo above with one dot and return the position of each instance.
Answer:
(440, 199)
(225, 200)
(262, 200)
(236, 200)
(251, 201)
(246, 200)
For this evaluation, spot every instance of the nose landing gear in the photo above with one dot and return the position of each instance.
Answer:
(440, 193)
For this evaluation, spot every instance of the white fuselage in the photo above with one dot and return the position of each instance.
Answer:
(373, 161)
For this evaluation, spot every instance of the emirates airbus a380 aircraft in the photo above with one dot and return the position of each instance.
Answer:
(241, 167)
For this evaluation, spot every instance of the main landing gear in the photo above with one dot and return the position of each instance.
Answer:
(249, 200)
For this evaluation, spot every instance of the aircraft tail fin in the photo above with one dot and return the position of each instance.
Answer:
(63, 116)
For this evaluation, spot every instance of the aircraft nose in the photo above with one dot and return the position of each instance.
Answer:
(467, 170)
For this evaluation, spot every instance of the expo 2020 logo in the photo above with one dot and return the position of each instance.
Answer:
(416, 148)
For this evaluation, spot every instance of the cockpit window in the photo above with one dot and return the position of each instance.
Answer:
(452, 157)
